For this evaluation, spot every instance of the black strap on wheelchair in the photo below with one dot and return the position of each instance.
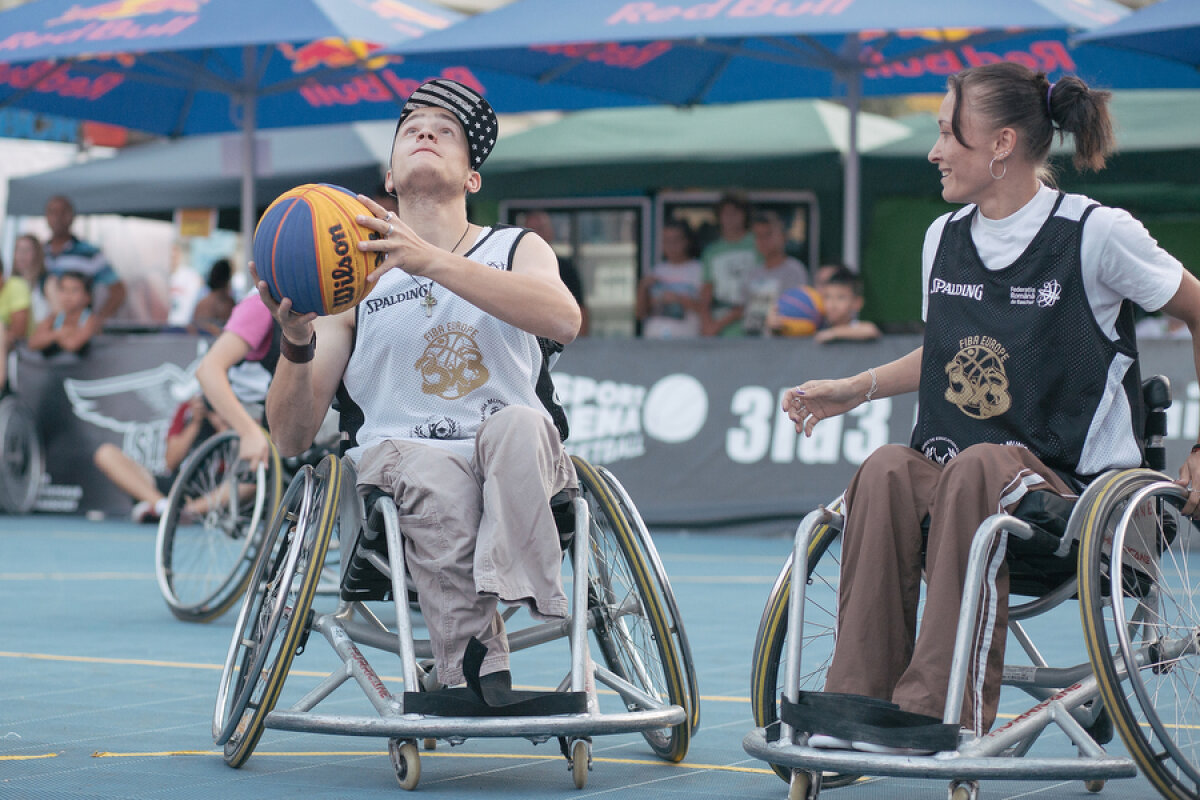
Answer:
(491, 695)
(867, 719)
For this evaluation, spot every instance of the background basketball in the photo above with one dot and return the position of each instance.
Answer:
(306, 248)
(800, 310)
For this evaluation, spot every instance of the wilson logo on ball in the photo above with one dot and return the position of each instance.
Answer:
(306, 249)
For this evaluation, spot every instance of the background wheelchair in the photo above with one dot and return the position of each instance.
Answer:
(620, 597)
(22, 459)
(216, 519)
(1126, 554)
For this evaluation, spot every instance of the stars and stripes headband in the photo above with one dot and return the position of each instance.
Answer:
(476, 115)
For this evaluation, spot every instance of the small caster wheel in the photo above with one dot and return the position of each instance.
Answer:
(1094, 786)
(804, 785)
(430, 744)
(406, 761)
(964, 790)
(581, 762)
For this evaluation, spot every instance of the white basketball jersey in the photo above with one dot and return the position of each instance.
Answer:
(435, 378)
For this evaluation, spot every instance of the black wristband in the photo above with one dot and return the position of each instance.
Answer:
(1195, 447)
(298, 353)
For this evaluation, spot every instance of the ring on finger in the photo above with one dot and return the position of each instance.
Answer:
(389, 217)
(389, 231)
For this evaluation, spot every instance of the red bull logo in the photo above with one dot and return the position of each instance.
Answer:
(639, 13)
(334, 53)
(949, 35)
(611, 54)
(384, 86)
(51, 78)
(1047, 56)
(124, 9)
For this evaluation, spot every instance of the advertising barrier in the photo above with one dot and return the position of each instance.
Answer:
(693, 429)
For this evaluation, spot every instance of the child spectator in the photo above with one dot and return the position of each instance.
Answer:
(842, 294)
(29, 262)
(16, 302)
(72, 327)
(669, 299)
(727, 263)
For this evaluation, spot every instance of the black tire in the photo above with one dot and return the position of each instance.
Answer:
(22, 458)
(666, 593)
(275, 615)
(631, 626)
(767, 666)
(1142, 629)
(203, 559)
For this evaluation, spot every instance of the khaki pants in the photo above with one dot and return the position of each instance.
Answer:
(880, 652)
(480, 531)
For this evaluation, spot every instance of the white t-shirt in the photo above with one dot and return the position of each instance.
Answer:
(673, 321)
(1120, 259)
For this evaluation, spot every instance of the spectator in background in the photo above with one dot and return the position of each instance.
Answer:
(183, 287)
(669, 299)
(194, 421)
(843, 298)
(213, 310)
(728, 262)
(71, 328)
(29, 261)
(67, 253)
(777, 272)
(540, 223)
(16, 301)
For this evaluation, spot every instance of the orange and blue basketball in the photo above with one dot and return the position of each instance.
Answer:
(800, 311)
(306, 248)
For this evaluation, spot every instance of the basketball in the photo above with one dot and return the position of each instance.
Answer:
(306, 248)
(800, 310)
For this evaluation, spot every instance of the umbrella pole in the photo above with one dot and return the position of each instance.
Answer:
(850, 176)
(249, 124)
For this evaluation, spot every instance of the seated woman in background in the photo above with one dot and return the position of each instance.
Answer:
(213, 310)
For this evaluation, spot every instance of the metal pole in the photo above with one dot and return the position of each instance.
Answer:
(850, 176)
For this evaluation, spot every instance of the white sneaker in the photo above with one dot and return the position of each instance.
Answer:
(824, 741)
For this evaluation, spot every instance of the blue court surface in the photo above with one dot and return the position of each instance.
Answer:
(103, 694)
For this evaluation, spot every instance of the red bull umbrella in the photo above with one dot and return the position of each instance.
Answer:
(685, 52)
(1169, 28)
(184, 67)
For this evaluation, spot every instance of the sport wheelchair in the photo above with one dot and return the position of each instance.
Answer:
(620, 595)
(1125, 552)
(22, 458)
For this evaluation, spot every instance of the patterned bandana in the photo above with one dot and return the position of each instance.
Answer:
(476, 115)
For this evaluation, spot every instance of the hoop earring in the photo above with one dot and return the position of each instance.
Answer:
(1003, 169)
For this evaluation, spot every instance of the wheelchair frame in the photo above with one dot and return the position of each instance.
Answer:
(22, 457)
(992, 755)
(244, 708)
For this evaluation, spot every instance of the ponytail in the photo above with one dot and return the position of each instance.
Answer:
(1083, 113)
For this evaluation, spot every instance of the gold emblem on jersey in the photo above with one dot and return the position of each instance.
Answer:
(452, 364)
(978, 382)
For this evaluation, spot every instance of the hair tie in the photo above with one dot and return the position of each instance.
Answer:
(1049, 110)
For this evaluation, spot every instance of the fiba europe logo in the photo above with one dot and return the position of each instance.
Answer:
(978, 381)
(610, 419)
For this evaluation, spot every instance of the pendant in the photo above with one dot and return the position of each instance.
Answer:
(429, 301)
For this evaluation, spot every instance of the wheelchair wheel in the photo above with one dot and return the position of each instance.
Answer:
(666, 593)
(767, 665)
(1142, 623)
(274, 620)
(22, 460)
(208, 538)
(631, 627)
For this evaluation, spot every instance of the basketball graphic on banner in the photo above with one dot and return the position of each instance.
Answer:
(306, 248)
(800, 310)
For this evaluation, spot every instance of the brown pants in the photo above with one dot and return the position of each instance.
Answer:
(879, 652)
(480, 531)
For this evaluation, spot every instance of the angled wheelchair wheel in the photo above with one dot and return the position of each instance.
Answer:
(208, 538)
(1139, 565)
(22, 459)
(663, 585)
(274, 620)
(631, 625)
(768, 665)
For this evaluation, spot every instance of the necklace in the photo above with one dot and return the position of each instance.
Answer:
(429, 301)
